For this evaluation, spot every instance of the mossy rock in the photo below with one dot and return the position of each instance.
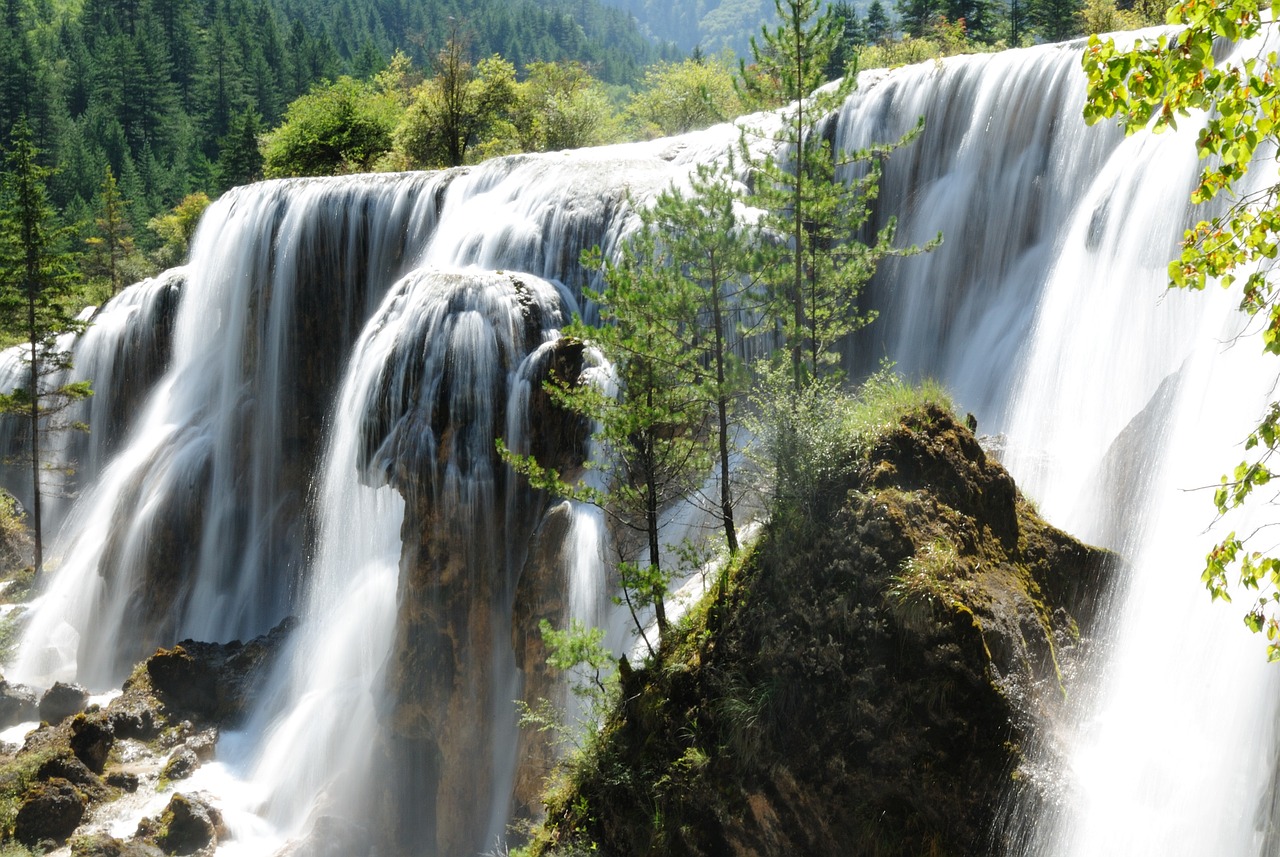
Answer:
(51, 811)
(188, 825)
(866, 683)
(92, 737)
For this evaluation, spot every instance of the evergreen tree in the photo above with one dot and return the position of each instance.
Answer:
(35, 276)
(818, 262)
(915, 16)
(240, 158)
(685, 275)
(17, 67)
(877, 26)
(113, 243)
(1055, 20)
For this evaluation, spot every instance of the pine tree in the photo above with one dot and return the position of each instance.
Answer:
(877, 26)
(816, 200)
(113, 243)
(239, 156)
(34, 276)
(686, 274)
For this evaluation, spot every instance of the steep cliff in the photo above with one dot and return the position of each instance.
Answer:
(865, 684)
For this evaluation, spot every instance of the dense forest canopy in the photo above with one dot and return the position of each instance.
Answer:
(154, 89)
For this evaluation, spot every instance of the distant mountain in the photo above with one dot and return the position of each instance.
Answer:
(709, 25)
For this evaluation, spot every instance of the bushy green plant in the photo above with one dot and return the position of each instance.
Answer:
(808, 440)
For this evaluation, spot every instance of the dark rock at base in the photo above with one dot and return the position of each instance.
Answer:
(183, 681)
(61, 701)
(124, 781)
(188, 825)
(330, 836)
(50, 810)
(103, 845)
(18, 704)
(92, 737)
(213, 681)
(182, 764)
(67, 767)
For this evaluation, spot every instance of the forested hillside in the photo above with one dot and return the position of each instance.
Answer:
(158, 90)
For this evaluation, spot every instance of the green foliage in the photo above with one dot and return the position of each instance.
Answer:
(561, 106)
(941, 38)
(807, 442)
(177, 227)
(1157, 83)
(16, 777)
(457, 107)
(14, 537)
(113, 257)
(240, 159)
(685, 96)
(339, 127)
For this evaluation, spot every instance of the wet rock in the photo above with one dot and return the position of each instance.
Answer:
(137, 713)
(182, 764)
(123, 780)
(50, 810)
(61, 701)
(183, 681)
(204, 743)
(18, 704)
(213, 681)
(67, 767)
(188, 825)
(92, 737)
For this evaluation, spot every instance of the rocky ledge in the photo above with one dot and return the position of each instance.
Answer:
(864, 685)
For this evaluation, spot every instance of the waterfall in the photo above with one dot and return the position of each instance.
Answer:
(301, 421)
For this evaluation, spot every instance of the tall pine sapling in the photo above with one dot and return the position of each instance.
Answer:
(815, 199)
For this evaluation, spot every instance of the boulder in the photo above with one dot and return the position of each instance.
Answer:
(123, 780)
(188, 825)
(92, 737)
(50, 810)
(213, 681)
(867, 684)
(18, 704)
(182, 764)
(62, 701)
(67, 767)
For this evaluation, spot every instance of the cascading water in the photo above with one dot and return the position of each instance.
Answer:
(345, 334)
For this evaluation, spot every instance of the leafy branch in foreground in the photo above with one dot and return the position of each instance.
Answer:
(1156, 83)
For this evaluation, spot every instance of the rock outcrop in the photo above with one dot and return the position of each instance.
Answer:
(866, 685)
